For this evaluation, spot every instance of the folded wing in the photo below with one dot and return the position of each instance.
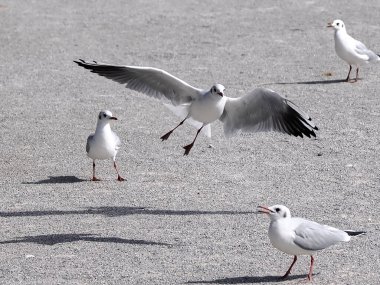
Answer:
(151, 81)
(314, 236)
(265, 110)
(365, 53)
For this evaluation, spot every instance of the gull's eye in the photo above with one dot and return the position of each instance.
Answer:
(277, 210)
(337, 24)
(104, 115)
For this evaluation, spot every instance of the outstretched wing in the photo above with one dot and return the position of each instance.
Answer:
(151, 81)
(313, 236)
(265, 110)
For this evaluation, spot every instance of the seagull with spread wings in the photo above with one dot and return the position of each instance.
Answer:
(260, 110)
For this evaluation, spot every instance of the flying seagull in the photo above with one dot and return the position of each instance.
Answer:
(260, 110)
(297, 236)
(350, 50)
(104, 143)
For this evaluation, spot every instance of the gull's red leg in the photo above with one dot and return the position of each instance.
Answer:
(189, 146)
(311, 268)
(166, 136)
(290, 268)
(93, 172)
(119, 178)
(348, 76)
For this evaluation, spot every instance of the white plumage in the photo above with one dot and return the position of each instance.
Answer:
(260, 110)
(350, 50)
(298, 236)
(104, 143)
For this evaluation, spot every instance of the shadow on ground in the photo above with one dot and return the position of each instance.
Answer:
(67, 238)
(119, 211)
(57, 180)
(331, 81)
(248, 280)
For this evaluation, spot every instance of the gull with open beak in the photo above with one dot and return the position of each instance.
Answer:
(298, 236)
(260, 110)
(350, 50)
(104, 143)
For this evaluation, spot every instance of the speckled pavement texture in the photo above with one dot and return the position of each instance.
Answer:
(176, 219)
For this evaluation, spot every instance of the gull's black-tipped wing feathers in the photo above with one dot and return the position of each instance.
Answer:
(265, 110)
(151, 81)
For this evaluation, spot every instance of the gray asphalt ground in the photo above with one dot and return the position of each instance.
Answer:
(176, 219)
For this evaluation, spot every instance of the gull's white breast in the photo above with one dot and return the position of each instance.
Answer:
(103, 145)
(345, 48)
(207, 108)
(281, 234)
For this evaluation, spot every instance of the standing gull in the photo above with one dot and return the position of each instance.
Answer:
(104, 143)
(297, 236)
(350, 50)
(260, 110)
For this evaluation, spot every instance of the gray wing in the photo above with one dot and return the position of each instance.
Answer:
(151, 81)
(313, 236)
(361, 49)
(265, 110)
(89, 139)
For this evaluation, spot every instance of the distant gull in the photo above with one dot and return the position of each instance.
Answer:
(297, 236)
(260, 110)
(104, 143)
(350, 50)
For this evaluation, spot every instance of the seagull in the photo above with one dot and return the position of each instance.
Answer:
(350, 50)
(260, 110)
(298, 236)
(104, 143)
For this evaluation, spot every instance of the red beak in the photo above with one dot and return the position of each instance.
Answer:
(263, 210)
(113, 118)
(329, 25)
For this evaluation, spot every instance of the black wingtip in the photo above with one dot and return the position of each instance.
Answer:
(355, 233)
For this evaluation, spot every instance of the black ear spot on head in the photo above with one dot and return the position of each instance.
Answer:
(100, 117)
(285, 215)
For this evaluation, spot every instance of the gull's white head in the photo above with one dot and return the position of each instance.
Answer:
(217, 89)
(275, 212)
(337, 25)
(105, 117)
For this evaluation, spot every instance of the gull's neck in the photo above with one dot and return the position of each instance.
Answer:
(102, 128)
(341, 32)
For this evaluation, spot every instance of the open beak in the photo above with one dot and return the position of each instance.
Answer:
(220, 94)
(329, 25)
(263, 210)
(113, 118)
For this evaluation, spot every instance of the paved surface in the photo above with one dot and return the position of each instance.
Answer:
(182, 220)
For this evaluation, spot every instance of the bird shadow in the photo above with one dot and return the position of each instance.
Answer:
(331, 81)
(53, 239)
(247, 280)
(120, 211)
(57, 180)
